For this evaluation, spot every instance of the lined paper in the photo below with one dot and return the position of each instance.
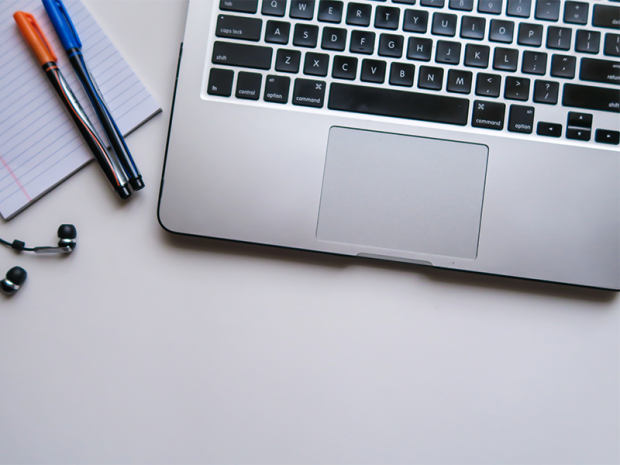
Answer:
(39, 144)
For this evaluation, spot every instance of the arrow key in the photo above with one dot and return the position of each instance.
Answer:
(549, 129)
(578, 133)
(517, 88)
(580, 120)
(604, 136)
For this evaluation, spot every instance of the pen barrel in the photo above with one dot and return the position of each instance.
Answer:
(111, 167)
(107, 122)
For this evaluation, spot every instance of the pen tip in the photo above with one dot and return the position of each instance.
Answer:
(137, 183)
(123, 192)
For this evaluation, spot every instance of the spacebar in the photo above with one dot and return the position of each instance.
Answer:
(387, 102)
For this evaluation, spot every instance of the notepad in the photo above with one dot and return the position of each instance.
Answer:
(39, 144)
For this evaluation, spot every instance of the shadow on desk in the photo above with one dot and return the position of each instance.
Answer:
(452, 277)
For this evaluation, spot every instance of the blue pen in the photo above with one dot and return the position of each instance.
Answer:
(73, 46)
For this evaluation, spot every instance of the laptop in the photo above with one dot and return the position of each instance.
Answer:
(477, 135)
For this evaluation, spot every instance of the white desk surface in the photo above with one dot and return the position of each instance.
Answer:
(145, 348)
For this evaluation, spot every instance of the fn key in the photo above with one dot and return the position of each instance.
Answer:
(220, 82)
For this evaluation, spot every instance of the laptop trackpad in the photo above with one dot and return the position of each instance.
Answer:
(402, 193)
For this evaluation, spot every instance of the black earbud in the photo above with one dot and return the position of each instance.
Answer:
(16, 276)
(13, 280)
(66, 243)
(67, 235)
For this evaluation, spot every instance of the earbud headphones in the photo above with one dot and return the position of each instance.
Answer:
(16, 276)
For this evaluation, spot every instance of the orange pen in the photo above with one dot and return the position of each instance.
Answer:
(46, 57)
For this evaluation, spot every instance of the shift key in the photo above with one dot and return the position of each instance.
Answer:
(245, 56)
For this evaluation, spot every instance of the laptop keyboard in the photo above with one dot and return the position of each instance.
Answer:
(538, 68)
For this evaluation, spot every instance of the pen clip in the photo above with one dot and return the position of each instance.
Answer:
(65, 13)
(35, 25)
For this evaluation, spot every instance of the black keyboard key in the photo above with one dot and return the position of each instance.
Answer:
(534, 63)
(406, 2)
(433, 3)
(362, 42)
(501, 31)
(220, 82)
(505, 59)
(316, 64)
(606, 16)
(330, 11)
(473, 28)
(358, 14)
(245, 56)
(591, 98)
(334, 39)
(519, 8)
(415, 21)
(277, 32)
(463, 5)
(306, 35)
(488, 115)
(287, 61)
(444, 24)
(546, 92)
(430, 78)
(373, 71)
(605, 136)
(276, 89)
(517, 88)
(345, 67)
(387, 17)
(302, 9)
(548, 10)
(309, 93)
(238, 27)
(242, 6)
(559, 38)
(576, 13)
(448, 52)
(490, 6)
(612, 45)
(459, 81)
(588, 41)
(578, 134)
(391, 45)
(274, 8)
(248, 85)
(563, 66)
(579, 120)
(549, 129)
(419, 49)
(530, 34)
(399, 104)
(605, 71)
(402, 74)
(521, 119)
(488, 85)
(477, 56)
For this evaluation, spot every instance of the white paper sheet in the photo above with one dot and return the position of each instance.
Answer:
(39, 144)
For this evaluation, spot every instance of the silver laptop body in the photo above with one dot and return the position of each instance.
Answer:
(421, 153)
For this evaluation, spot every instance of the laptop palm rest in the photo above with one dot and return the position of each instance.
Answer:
(402, 193)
